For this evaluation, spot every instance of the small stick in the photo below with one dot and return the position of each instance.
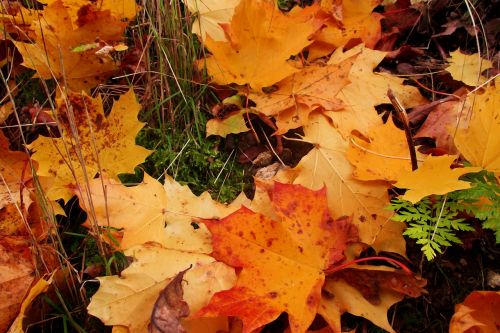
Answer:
(401, 112)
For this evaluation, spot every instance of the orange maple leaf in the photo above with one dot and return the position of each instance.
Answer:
(51, 53)
(260, 41)
(282, 262)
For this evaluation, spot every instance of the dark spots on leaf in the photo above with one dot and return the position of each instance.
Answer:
(374, 216)
(362, 218)
(300, 231)
(301, 249)
(273, 294)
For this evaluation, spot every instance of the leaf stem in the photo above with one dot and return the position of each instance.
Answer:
(352, 262)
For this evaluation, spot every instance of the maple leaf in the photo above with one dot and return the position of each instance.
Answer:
(14, 172)
(384, 157)
(212, 14)
(467, 68)
(51, 53)
(281, 262)
(102, 144)
(260, 41)
(480, 142)
(6, 110)
(480, 312)
(326, 164)
(313, 86)
(357, 22)
(128, 300)
(16, 277)
(434, 176)
(162, 214)
(233, 123)
(442, 122)
(367, 90)
(120, 9)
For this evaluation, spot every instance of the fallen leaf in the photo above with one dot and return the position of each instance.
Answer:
(358, 22)
(479, 313)
(120, 9)
(313, 86)
(6, 110)
(51, 53)
(233, 123)
(40, 287)
(15, 171)
(384, 157)
(162, 214)
(442, 123)
(434, 176)
(128, 300)
(169, 308)
(104, 144)
(260, 41)
(468, 68)
(480, 142)
(281, 262)
(367, 90)
(211, 14)
(326, 164)
(17, 273)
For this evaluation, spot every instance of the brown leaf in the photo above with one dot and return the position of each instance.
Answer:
(170, 308)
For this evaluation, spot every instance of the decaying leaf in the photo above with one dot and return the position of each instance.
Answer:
(211, 15)
(480, 142)
(104, 144)
(479, 313)
(281, 262)
(17, 273)
(468, 68)
(326, 165)
(260, 41)
(169, 308)
(127, 300)
(51, 53)
(15, 170)
(434, 176)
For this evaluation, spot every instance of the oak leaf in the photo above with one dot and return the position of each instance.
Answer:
(468, 68)
(327, 165)
(480, 312)
(260, 41)
(281, 262)
(162, 214)
(103, 143)
(383, 157)
(434, 176)
(51, 53)
(480, 142)
(211, 14)
(128, 300)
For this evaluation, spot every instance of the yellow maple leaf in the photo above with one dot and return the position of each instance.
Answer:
(326, 164)
(434, 176)
(127, 300)
(162, 214)
(233, 123)
(480, 142)
(51, 53)
(261, 40)
(90, 142)
(467, 68)
(383, 157)
(210, 15)
(368, 89)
